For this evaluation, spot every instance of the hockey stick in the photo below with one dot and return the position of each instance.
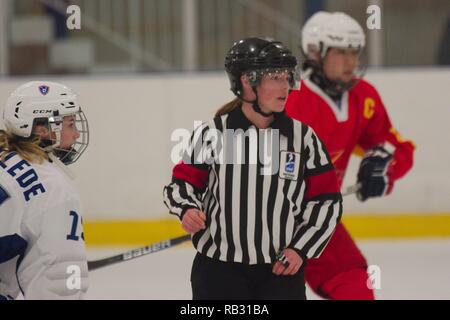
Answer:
(135, 253)
(351, 190)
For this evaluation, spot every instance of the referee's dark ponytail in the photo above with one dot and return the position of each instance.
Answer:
(228, 107)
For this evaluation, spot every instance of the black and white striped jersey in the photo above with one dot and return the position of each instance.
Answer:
(262, 190)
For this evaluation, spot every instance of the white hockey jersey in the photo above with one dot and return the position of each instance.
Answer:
(42, 249)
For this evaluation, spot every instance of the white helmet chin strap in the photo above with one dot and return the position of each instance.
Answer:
(56, 128)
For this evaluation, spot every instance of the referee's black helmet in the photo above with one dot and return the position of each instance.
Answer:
(255, 57)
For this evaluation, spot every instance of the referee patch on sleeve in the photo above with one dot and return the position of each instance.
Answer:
(3, 195)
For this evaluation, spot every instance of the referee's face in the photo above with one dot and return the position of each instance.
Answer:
(273, 91)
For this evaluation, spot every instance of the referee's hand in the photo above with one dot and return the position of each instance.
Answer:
(193, 221)
(292, 265)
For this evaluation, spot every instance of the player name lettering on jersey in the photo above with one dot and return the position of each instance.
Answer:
(24, 174)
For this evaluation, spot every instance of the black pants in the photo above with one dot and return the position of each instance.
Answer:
(214, 279)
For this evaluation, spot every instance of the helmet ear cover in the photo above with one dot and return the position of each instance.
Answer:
(40, 122)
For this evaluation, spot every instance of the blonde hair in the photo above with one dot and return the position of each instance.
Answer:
(28, 148)
(228, 107)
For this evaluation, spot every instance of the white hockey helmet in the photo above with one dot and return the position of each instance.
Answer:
(48, 102)
(325, 30)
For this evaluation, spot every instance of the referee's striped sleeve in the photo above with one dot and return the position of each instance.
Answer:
(180, 196)
(322, 204)
(317, 156)
(189, 177)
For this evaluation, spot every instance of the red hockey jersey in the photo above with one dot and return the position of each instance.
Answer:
(359, 119)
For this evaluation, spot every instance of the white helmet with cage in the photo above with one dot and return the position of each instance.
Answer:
(46, 102)
(325, 30)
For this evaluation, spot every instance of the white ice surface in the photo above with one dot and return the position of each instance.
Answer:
(413, 269)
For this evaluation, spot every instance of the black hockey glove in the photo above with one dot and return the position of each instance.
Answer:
(372, 174)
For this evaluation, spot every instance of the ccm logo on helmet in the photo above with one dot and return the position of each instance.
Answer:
(42, 111)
